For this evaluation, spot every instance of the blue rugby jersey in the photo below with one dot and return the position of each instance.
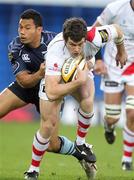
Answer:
(24, 58)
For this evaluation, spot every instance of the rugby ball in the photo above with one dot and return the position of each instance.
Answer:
(69, 68)
(81, 67)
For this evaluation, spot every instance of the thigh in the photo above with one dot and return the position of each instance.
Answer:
(113, 98)
(9, 101)
(50, 109)
(111, 83)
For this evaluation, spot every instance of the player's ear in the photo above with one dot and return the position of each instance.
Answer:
(40, 28)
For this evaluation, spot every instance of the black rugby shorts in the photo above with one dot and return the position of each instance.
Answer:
(28, 95)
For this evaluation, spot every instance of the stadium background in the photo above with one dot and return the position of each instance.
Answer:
(54, 13)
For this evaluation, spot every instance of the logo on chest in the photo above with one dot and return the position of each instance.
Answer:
(26, 58)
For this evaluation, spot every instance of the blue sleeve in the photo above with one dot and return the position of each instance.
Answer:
(18, 65)
(48, 36)
(14, 55)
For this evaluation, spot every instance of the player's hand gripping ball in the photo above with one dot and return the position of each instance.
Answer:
(69, 69)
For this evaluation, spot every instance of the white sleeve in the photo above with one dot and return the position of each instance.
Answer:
(107, 33)
(105, 17)
(99, 36)
(108, 14)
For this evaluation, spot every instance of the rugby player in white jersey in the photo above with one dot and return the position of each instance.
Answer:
(116, 81)
(26, 55)
(75, 40)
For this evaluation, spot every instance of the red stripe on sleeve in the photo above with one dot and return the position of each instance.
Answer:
(91, 34)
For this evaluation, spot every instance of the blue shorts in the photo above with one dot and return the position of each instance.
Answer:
(28, 95)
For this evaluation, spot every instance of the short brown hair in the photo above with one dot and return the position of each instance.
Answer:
(75, 28)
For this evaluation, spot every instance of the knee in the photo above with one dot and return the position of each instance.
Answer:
(47, 126)
(48, 123)
(54, 145)
(89, 101)
(49, 119)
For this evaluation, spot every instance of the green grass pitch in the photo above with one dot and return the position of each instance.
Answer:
(15, 155)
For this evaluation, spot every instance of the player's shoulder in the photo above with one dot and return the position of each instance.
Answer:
(15, 45)
(56, 48)
(116, 5)
(14, 48)
(47, 36)
(58, 41)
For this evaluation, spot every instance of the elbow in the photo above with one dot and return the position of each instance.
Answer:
(24, 84)
(119, 30)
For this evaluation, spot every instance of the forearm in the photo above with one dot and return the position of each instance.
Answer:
(119, 41)
(29, 80)
(58, 91)
(120, 47)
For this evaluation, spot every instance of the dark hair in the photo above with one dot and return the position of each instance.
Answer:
(32, 14)
(75, 28)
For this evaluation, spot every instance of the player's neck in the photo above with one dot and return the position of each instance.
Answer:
(36, 43)
(132, 4)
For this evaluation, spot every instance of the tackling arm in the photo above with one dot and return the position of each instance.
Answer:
(28, 80)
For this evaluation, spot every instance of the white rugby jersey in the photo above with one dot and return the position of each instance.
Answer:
(119, 12)
(57, 51)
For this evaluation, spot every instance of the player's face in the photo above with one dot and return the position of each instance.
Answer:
(29, 33)
(75, 48)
